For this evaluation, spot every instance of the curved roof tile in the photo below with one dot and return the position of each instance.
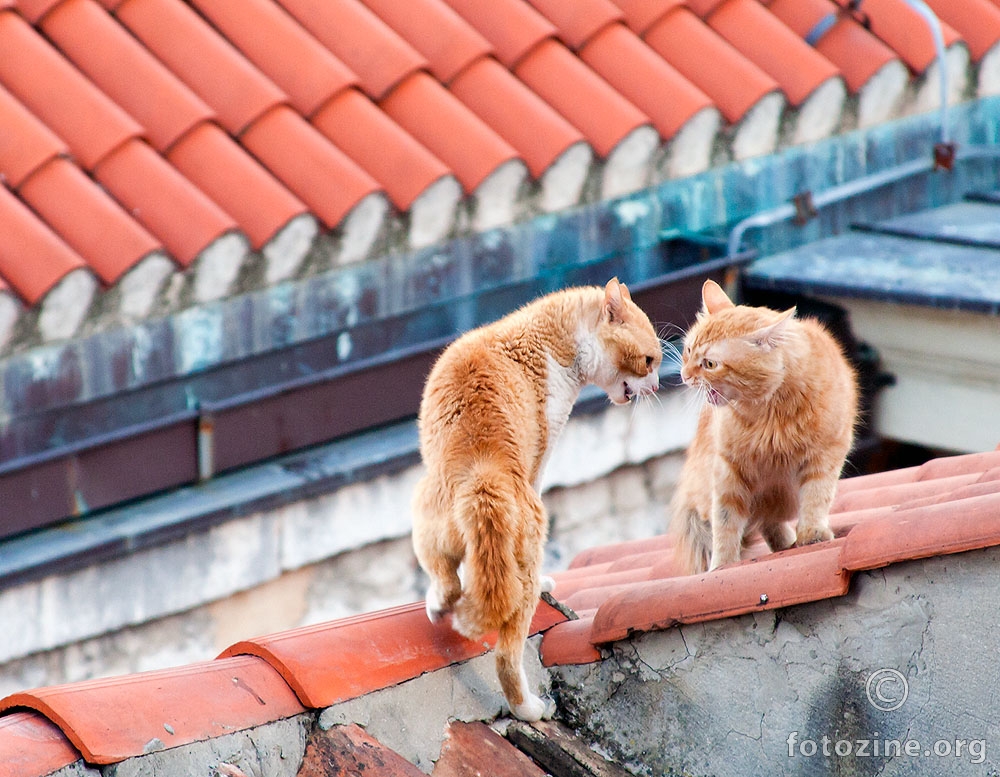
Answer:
(906, 32)
(25, 144)
(202, 59)
(126, 71)
(977, 21)
(448, 42)
(87, 120)
(297, 63)
(641, 15)
(580, 21)
(94, 225)
(184, 705)
(378, 55)
(33, 258)
(31, 744)
(512, 26)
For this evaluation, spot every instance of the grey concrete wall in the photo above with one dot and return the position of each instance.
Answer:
(812, 689)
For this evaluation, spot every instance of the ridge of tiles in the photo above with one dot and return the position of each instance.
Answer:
(947, 505)
(241, 133)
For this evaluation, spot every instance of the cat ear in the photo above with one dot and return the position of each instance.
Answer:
(713, 298)
(614, 303)
(768, 337)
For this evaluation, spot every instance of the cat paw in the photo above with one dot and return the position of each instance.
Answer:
(813, 534)
(548, 584)
(434, 615)
(531, 709)
(435, 607)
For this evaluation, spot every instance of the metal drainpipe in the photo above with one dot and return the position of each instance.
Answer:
(869, 183)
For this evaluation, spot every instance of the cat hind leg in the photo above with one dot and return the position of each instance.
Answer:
(511, 641)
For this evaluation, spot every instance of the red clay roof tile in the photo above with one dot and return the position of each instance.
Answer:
(227, 174)
(883, 496)
(321, 175)
(445, 39)
(779, 52)
(25, 144)
(512, 26)
(167, 203)
(377, 54)
(202, 59)
(977, 21)
(734, 83)
(640, 15)
(517, 114)
(58, 94)
(349, 751)
(778, 580)
(436, 118)
(117, 718)
(297, 63)
(580, 21)
(570, 643)
(905, 31)
(474, 749)
(341, 660)
(402, 165)
(616, 550)
(126, 71)
(32, 745)
(32, 257)
(88, 220)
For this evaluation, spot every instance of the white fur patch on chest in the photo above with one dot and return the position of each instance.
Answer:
(563, 388)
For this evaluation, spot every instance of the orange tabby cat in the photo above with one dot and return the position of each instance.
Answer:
(493, 405)
(773, 434)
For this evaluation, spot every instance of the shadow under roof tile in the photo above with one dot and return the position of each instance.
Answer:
(476, 749)
(512, 26)
(112, 719)
(33, 258)
(126, 71)
(236, 90)
(580, 21)
(94, 225)
(33, 746)
(58, 94)
(445, 39)
(734, 83)
(372, 50)
(402, 165)
(167, 203)
(332, 662)
(776, 580)
(25, 143)
(435, 117)
(570, 643)
(315, 170)
(232, 178)
(537, 132)
(268, 36)
(921, 532)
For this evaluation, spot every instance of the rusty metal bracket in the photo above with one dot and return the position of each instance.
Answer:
(805, 208)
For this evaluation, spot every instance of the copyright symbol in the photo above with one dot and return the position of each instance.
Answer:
(886, 689)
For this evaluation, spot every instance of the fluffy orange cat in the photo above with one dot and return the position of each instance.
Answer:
(777, 425)
(493, 405)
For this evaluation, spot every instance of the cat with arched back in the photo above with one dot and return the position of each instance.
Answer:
(493, 404)
(781, 404)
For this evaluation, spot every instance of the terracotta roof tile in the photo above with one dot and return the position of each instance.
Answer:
(641, 15)
(580, 21)
(378, 55)
(117, 718)
(26, 144)
(126, 71)
(570, 643)
(336, 661)
(472, 749)
(448, 42)
(346, 751)
(977, 21)
(905, 31)
(512, 26)
(58, 94)
(32, 745)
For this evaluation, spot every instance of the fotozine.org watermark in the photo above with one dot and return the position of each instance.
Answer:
(886, 691)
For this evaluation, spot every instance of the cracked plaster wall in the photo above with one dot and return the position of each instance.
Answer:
(755, 694)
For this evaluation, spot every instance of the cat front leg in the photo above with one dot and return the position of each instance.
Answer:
(815, 497)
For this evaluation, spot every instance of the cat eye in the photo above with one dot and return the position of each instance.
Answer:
(649, 362)
(709, 364)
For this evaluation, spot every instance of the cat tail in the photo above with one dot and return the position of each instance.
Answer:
(693, 538)
(488, 506)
